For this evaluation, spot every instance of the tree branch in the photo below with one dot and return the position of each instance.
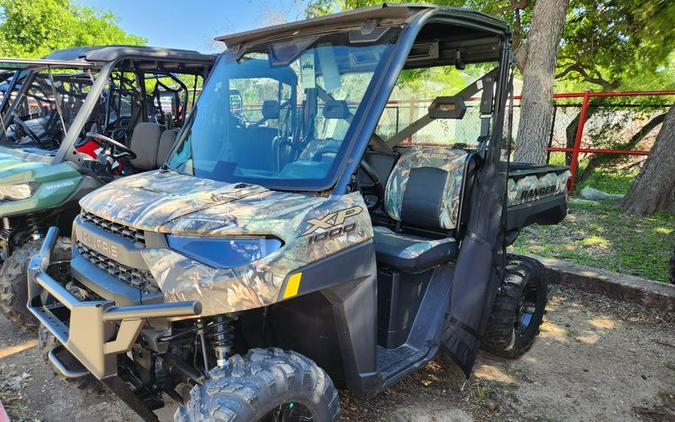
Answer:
(567, 71)
(515, 5)
(597, 80)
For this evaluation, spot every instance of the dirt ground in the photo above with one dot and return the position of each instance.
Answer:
(595, 360)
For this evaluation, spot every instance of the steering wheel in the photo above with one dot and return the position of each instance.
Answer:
(27, 130)
(103, 141)
(330, 149)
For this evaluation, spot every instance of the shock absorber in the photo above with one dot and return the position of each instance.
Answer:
(222, 338)
(33, 227)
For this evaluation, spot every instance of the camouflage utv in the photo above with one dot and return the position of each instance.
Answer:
(291, 244)
(71, 122)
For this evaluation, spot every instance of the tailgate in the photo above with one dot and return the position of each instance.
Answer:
(536, 194)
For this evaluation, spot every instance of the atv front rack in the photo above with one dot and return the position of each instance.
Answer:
(93, 331)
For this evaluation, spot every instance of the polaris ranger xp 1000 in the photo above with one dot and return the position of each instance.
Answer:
(71, 122)
(291, 243)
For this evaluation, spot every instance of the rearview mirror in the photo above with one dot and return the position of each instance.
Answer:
(447, 108)
(336, 110)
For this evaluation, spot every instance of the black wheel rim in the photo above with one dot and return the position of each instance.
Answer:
(289, 412)
(526, 309)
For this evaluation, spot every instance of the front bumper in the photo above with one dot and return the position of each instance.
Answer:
(93, 331)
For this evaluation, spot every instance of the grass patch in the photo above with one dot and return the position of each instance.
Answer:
(610, 181)
(603, 235)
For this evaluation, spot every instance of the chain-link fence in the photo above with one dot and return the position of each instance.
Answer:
(617, 128)
(605, 129)
(400, 114)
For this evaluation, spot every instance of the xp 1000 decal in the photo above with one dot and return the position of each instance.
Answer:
(332, 225)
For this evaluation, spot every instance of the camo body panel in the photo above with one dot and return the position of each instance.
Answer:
(148, 201)
(533, 187)
(171, 204)
(450, 160)
(414, 250)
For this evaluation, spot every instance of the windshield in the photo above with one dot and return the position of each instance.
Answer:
(281, 116)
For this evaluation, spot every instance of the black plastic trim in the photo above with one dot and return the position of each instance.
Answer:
(544, 211)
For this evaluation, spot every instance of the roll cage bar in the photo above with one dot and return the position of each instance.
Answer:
(493, 44)
(27, 69)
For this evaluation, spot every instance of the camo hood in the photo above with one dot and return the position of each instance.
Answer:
(309, 225)
(149, 201)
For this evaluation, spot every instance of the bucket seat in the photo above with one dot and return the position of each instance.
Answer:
(151, 145)
(145, 142)
(423, 196)
(166, 141)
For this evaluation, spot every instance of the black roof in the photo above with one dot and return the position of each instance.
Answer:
(109, 53)
(385, 13)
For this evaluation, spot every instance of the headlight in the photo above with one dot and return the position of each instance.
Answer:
(17, 192)
(224, 252)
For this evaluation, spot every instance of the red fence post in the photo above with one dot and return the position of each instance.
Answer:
(577, 141)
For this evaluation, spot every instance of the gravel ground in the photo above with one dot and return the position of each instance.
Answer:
(595, 360)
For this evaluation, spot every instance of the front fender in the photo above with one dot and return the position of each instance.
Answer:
(55, 184)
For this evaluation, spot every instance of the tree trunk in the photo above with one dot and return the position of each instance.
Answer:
(654, 188)
(536, 110)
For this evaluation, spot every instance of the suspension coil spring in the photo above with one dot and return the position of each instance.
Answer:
(220, 334)
(33, 227)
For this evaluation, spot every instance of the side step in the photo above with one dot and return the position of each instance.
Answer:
(66, 364)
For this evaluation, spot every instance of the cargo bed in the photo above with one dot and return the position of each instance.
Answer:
(536, 194)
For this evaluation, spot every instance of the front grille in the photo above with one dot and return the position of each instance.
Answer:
(138, 278)
(115, 228)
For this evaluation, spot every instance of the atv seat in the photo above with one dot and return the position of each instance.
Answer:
(145, 142)
(151, 145)
(411, 254)
(423, 195)
(166, 142)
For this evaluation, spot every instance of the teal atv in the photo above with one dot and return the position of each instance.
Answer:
(71, 122)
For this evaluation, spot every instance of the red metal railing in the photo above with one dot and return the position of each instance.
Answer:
(576, 149)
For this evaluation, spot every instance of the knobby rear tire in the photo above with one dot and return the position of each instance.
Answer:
(504, 336)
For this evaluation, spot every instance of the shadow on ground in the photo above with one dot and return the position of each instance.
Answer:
(595, 359)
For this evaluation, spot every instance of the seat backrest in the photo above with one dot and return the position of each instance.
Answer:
(145, 142)
(166, 141)
(248, 142)
(424, 187)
